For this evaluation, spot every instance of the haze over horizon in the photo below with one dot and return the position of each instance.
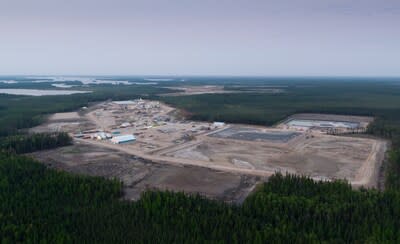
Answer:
(257, 38)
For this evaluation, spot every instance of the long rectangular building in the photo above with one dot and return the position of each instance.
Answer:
(123, 139)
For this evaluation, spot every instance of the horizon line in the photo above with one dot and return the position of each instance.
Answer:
(202, 75)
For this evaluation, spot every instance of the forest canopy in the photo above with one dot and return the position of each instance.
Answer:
(38, 204)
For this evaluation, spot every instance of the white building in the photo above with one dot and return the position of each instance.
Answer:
(124, 102)
(126, 124)
(100, 136)
(218, 124)
(123, 139)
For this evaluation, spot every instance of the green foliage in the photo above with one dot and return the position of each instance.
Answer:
(378, 99)
(373, 99)
(43, 205)
(393, 171)
(37, 204)
(34, 142)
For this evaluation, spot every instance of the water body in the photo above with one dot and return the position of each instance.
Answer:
(62, 85)
(8, 81)
(83, 80)
(36, 92)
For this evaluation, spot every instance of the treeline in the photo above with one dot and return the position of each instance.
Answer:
(43, 205)
(39, 205)
(19, 112)
(391, 131)
(266, 109)
(376, 99)
(27, 143)
(387, 129)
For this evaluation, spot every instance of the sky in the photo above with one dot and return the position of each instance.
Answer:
(207, 37)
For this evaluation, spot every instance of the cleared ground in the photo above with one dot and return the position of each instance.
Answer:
(71, 122)
(334, 117)
(139, 175)
(64, 116)
(315, 155)
(217, 160)
(255, 134)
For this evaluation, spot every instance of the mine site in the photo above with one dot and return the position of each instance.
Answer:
(149, 145)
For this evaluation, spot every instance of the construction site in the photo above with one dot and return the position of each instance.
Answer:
(147, 144)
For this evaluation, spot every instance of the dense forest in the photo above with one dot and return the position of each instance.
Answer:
(44, 205)
(39, 204)
(380, 100)
(34, 142)
(377, 99)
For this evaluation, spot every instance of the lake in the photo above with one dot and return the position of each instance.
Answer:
(36, 92)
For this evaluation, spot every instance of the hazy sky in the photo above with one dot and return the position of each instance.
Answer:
(203, 37)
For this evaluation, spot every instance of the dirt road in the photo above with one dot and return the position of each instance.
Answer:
(179, 143)
(221, 166)
(367, 175)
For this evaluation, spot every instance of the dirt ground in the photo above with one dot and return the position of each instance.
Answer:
(319, 156)
(218, 161)
(64, 116)
(71, 122)
(334, 117)
(139, 175)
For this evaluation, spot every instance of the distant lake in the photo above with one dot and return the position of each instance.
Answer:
(62, 85)
(35, 92)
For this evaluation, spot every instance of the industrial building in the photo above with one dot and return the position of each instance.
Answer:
(322, 124)
(102, 136)
(219, 124)
(123, 139)
(124, 102)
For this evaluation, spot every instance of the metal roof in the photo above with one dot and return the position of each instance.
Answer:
(123, 138)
